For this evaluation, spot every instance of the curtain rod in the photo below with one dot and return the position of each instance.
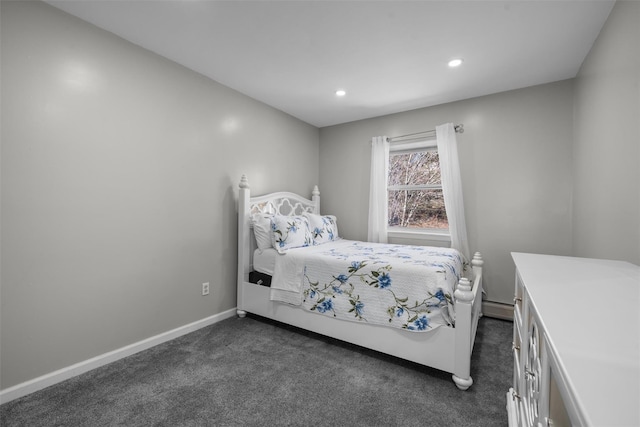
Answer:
(418, 135)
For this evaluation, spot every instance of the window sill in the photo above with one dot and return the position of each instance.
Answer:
(415, 234)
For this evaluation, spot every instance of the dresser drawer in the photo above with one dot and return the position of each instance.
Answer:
(518, 299)
(558, 415)
(517, 366)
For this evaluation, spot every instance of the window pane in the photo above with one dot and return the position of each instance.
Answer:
(417, 208)
(422, 167)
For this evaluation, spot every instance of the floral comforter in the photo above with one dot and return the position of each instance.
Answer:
(408, 287)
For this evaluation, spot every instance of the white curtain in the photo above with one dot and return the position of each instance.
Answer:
(452, 187)
(378, 190)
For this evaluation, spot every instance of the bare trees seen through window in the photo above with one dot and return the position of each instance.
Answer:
(415, 191)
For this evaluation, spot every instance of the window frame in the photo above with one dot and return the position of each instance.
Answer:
(414, 233)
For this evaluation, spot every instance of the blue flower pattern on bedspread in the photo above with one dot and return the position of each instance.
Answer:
(412, 286)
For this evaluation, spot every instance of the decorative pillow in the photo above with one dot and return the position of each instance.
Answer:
(290, 232)
(324, 228)
(262, 230)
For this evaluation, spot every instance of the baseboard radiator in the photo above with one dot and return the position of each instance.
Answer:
(497, 310)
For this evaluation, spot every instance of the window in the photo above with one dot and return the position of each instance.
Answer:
(414, 189)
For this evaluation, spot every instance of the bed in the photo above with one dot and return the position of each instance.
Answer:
(326, 286)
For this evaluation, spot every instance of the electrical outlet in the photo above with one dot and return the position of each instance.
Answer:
(205, 288)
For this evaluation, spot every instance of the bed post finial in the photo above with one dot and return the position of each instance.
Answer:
(315, 198)
(463, 291)
(477, 260)
(244, 182)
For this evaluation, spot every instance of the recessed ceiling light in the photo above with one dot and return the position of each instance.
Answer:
(340, 92)
(455, 63)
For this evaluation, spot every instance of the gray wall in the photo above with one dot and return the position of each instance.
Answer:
(515, 160)
(119, 178)
(606, 200)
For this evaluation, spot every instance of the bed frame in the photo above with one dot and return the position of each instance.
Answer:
(445, 348)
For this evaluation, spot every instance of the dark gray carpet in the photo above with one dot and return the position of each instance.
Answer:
(253, 372)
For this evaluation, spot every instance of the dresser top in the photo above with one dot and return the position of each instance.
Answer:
(590, 311)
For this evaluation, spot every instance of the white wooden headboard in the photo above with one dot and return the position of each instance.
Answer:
(280, 203)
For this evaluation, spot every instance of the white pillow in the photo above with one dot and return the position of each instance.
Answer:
(289, 232)
(262, 230)
(324, 228)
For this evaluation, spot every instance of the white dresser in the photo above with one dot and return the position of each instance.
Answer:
(576, 342)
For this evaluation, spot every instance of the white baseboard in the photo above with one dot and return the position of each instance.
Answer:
(497, 310)
(63, 374)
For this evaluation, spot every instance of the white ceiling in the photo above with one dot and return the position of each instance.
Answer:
(389, 56)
